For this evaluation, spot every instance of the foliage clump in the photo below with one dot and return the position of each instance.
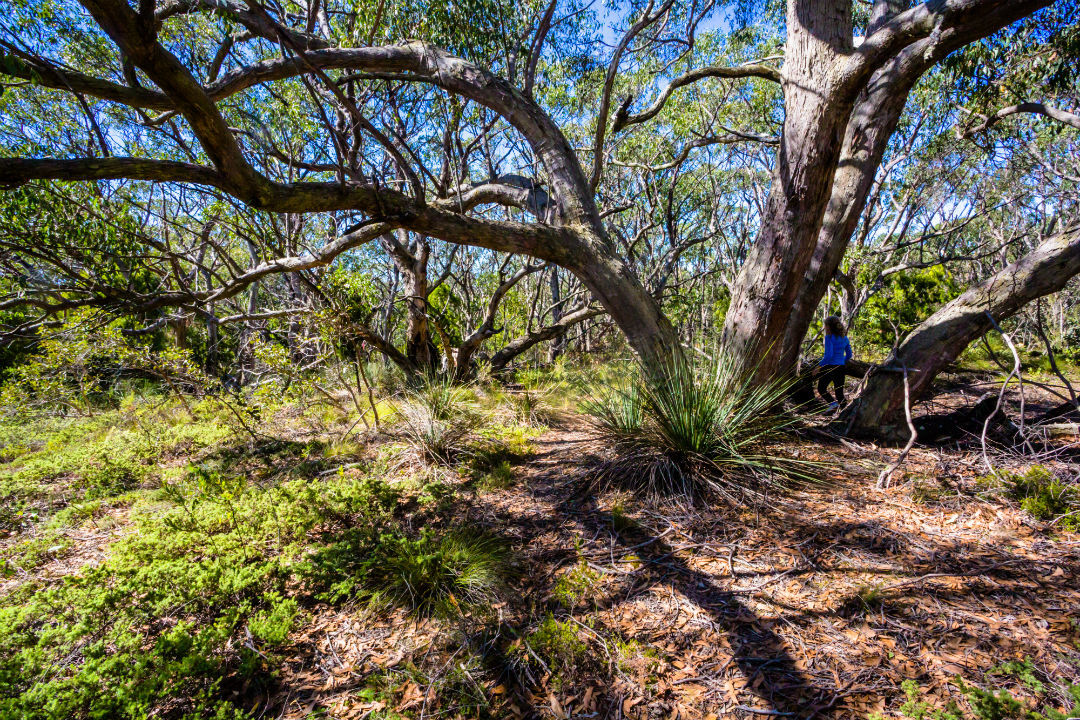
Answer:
(1042, 494)
(436, 419)
(432, 574)
(557, 643)
(994, 704)
(700, 429)
(574, 586)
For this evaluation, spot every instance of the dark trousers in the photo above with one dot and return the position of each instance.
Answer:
(831, 374)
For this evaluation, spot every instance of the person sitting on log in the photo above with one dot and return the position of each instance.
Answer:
(831, 367)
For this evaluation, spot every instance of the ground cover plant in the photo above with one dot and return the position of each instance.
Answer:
(652, 360)
(242, 572)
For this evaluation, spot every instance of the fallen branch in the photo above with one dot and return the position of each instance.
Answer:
(883, 478)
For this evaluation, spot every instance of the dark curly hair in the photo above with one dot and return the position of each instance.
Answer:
(835, 326)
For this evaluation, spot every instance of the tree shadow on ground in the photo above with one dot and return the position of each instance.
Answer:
(774, 682)
(552, 516)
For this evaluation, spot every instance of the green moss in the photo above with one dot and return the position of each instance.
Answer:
(620, 520)
(499, 477)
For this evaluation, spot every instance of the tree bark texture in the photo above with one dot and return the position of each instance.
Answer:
(938, 341)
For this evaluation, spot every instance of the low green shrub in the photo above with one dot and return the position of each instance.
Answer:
(432, 574)
(436, 419)
(493, 452)
(498, 477)
(996, 704)
(1041, 494)
(102, 456)
(557, 644)
(165, 621)
(574, 586)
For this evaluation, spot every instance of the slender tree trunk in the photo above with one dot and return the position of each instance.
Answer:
(412, 265)
(937, 343)
(213, 339)
(558, 343)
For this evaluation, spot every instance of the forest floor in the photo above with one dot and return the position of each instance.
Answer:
(836, 600)
(820, 606)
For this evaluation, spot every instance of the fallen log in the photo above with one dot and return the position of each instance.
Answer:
(1058, 430)
(1060, 411)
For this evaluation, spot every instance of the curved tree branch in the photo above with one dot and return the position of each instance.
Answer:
(1036, 108)
(623, 118)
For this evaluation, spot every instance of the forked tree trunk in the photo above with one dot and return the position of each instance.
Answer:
(872, 123)
(819, 33)
(830, 150)
(412, 265)
(938, 342)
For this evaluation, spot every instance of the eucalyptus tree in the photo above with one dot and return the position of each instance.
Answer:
(298, 109)
(1016, 230)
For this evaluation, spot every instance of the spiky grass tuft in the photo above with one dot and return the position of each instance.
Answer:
(439, 576)
(700, 429)
(436, 419)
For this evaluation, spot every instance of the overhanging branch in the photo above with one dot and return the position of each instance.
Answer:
(624, 118)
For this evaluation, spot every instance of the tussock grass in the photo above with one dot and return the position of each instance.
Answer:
(699, 430)
(440, 576)
(433, 575)
(437, 420)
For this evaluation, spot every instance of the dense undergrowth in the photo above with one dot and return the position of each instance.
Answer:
(159, 559)
(227, 543)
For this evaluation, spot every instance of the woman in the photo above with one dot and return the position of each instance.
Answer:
(831, 367)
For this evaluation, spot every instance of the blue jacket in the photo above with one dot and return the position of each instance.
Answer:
(837, 350)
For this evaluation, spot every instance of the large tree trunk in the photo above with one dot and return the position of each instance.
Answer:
(873, 121)
(867, 136)
(938, 342)
(634, 310)
(819, 32)
(831, 148)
